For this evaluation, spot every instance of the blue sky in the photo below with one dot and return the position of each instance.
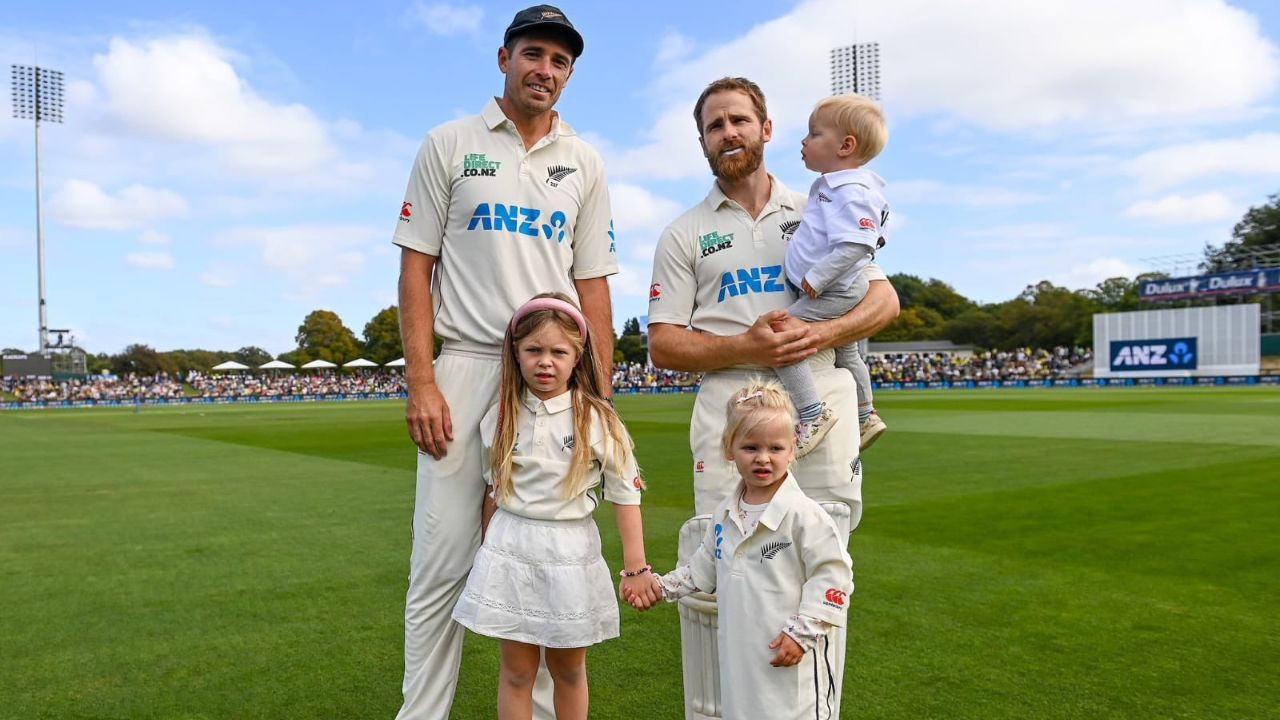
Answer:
(224, 169)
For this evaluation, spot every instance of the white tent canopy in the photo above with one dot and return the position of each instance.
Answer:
(230, 365)
(314, 364)
(276, 365)
(395, 363)
(360, 363)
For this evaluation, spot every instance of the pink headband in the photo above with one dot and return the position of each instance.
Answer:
(547, 303)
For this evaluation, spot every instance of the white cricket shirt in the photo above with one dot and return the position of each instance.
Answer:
(844, 206)
(540, 465)
(506, 224)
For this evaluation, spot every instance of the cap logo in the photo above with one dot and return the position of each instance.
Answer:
(547, 15)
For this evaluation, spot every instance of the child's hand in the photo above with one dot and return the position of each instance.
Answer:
(808, 289)
(789, 651)
(641, 591)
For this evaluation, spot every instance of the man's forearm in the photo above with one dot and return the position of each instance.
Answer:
(417, 316)
(877, 309)
(677, 348)
(593, 297)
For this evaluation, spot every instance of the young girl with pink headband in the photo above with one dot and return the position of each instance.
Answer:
(553, 447)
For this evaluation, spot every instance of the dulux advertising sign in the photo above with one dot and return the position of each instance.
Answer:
(1148, 355)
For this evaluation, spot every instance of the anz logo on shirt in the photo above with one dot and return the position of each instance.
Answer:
(499, 217)
(745, 281)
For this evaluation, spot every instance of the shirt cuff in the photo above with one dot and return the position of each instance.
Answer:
(806, 630)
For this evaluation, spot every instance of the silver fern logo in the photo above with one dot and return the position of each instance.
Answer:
(557, 173)
(566, 443)
(769, 551)
(788, 229)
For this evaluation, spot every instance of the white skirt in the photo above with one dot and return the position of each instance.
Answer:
(541, 582)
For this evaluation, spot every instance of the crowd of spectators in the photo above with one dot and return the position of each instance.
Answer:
(94, 387)
(1021, 364)
(283, 384)
(633, 376)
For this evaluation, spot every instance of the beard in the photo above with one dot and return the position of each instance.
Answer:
(736, 167)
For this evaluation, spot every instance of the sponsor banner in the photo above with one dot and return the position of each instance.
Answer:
(1172, 354)
(1246, 282)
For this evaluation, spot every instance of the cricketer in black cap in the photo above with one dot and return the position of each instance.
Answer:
(548, 19)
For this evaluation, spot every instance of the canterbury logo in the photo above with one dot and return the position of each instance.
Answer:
(770, 550)
(836, 597)
(557, 173)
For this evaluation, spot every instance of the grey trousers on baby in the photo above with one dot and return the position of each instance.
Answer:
(830, 305)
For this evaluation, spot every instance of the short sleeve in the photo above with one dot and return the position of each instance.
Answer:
(622, 485)
(425, 210)
(673, 291)
(594, 248)
(857, 216)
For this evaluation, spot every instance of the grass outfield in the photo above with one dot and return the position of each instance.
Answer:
(1024, 554)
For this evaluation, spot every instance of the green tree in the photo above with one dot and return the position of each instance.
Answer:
(631, 327)
(143, 360)
(977, 327)
(323, 336)
(382, 336)
(251, 355)
(1258, 229)
(632, 348)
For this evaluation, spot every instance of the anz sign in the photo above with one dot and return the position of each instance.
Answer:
(1148, 355)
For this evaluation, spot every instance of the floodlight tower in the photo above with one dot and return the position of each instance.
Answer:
(37, 95)
(856, 69)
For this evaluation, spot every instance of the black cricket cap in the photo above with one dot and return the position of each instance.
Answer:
(548, 18)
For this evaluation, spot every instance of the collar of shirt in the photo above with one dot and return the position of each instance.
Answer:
(855, 176)
(554, 405)
(716, 199)
(778, 506)
(494, 118)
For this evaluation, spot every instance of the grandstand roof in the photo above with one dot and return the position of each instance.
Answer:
(918, 346)
(230, 365)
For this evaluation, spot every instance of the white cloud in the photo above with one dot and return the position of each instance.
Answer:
(997, 64)
(185, 89)
(1179, 209)
(219, 276)
(1089, 274)
(447, 19)
(673, 47)
(151, 237)
(150, 260)
(932, 192)
(82, 204)
(639, 211)
(309, 257)
(1256, 154)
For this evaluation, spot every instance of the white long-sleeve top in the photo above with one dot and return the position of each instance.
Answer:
(792, 565)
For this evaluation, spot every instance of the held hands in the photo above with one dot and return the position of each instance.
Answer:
(776, 339)
(789, 651)
(641, 591)
(427, 415)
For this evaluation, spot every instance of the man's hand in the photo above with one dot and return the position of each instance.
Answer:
(808, 289)
(789, 651)
(430, 424)
(776, 339)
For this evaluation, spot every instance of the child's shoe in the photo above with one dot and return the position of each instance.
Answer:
(870, 430)
(810, 434)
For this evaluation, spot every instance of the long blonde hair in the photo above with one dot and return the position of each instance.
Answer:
(757, 404)
(588, 402)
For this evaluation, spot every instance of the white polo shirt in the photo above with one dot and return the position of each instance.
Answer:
(506, 224)
(716, 269)
(540, 464)
(844, 206)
